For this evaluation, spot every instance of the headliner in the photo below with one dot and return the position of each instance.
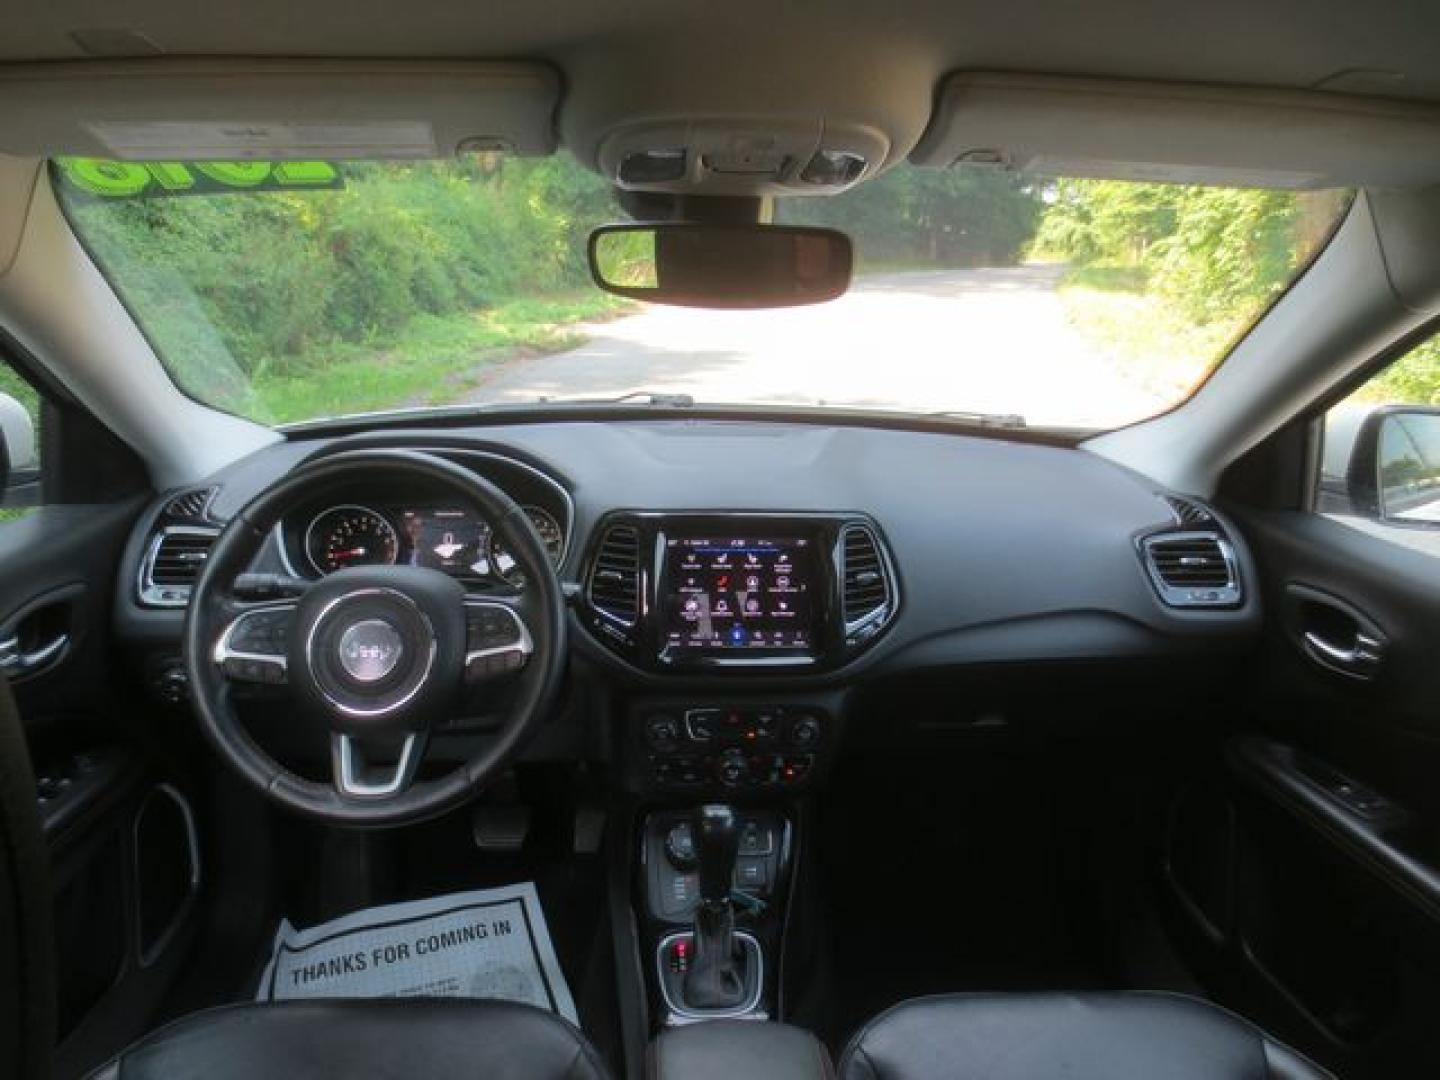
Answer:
(1282, 43)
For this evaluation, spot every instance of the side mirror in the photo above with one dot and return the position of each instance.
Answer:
(1394, 468)
(721, 266)
(17, 440)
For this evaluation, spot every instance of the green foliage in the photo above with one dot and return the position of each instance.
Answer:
(939, 217)
(238, 289)
(1214, 254)
(1414, 379)
(435, 360)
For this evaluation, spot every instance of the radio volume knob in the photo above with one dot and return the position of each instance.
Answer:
(733, 769)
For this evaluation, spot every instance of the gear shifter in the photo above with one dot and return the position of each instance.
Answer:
(715, 979)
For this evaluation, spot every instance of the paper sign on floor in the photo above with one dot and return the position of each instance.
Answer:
(490, 943)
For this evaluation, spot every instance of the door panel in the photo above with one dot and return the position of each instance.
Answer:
(1336, 871)
(121, 836)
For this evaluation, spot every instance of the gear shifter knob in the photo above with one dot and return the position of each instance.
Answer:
(717, 842)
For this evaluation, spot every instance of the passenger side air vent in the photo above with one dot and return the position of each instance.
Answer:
(172, 563)
(1193, 569)
(615, 575)
(869, 592)
(191, 505)
(1189, 512)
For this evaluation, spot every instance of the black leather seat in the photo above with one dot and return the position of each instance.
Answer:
(362, 1040)
(1069, 1036)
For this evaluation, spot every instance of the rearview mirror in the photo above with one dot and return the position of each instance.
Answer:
(721, 266)
(1393, 472)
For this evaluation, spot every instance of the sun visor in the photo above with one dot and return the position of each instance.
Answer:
(276, 109)
(1071, 126)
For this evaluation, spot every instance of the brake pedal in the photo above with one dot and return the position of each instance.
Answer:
(501, 829)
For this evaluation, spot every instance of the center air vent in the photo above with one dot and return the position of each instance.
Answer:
(615, 575)
(869, 595)
(174, 560)
(1193, 569)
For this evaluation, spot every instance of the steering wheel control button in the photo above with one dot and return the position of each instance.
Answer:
(491, 627)
(370, 650)
(262, 632)
(269, 670)
(253, 648)
(496, 641)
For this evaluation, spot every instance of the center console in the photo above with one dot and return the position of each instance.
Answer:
(714, 881)
(724, 621)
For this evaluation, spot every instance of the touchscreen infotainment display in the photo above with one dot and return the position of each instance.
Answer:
(739, 593)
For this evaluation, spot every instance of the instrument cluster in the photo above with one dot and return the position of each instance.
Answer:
(382, 525)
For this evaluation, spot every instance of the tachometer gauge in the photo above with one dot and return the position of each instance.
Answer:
(550, 532)
(350, 536)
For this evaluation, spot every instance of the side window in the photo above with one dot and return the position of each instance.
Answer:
(20, 419)
(1380, 465)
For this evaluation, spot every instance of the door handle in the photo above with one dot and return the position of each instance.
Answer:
(17, 663)
(1360, 660)
(1334, 633)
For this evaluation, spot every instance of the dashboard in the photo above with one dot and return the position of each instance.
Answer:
(990, 550)
(737, 583)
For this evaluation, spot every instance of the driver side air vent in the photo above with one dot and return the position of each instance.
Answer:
(172, 563)
(191, 505)
(615, 575)
(1193, 569)
(868, 592)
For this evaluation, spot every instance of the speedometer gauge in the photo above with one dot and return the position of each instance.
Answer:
(350, 536)
(550, 532)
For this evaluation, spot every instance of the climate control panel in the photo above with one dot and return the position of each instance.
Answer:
(731, 747)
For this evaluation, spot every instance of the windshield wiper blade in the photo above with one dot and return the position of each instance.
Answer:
(657, 398)
(981, 419)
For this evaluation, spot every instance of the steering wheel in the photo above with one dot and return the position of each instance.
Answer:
(381, 656)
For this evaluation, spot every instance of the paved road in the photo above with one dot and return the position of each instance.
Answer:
(991, 340)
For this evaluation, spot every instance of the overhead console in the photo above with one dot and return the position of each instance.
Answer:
(705, 592)
(735, 157)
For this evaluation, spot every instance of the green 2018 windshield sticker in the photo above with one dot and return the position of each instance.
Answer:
(149, 179)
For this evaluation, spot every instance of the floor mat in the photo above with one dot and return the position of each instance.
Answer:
(487, 943)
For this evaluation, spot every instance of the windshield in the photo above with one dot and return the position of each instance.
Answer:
(306, 290)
